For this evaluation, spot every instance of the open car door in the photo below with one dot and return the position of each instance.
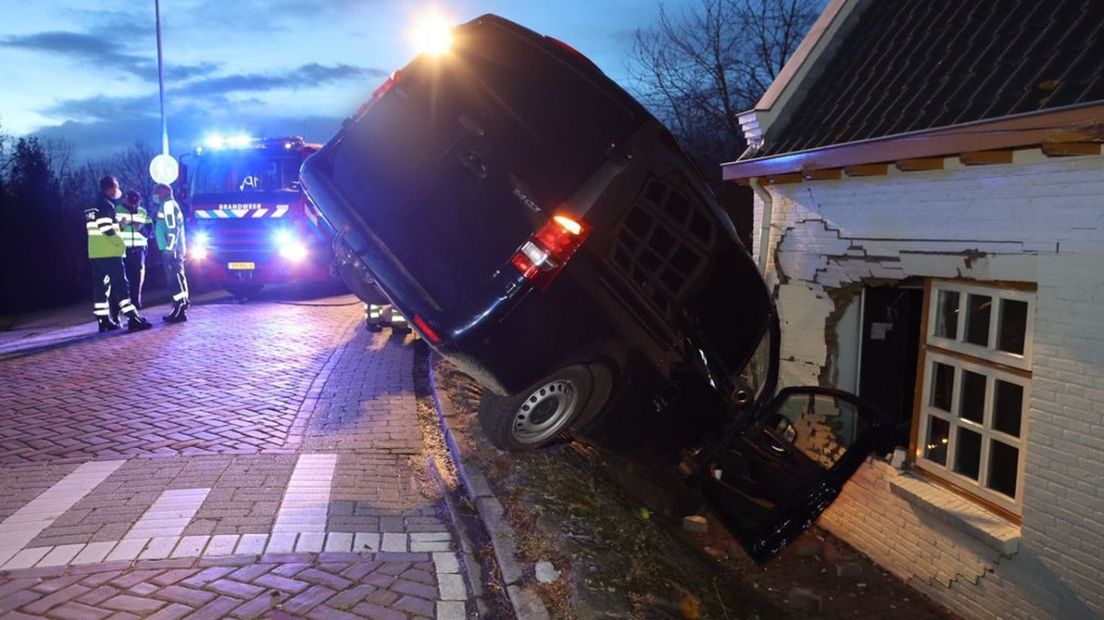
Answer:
(771, 481)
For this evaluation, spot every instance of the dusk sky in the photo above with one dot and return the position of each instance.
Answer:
(87, 71)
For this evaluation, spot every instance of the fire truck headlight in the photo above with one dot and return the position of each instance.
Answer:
(294, 251)
(284, 237)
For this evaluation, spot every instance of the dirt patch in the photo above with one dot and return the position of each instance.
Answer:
(614, 535)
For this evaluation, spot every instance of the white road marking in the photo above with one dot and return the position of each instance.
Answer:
(307, 497)
(169, 515)
(31, 520)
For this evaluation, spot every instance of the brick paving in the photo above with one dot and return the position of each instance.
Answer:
(208, 428)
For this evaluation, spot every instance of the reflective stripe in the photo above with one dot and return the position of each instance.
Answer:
(179, 296)
(260, 212)
(101, 312)
(100, 221)
(101, 304)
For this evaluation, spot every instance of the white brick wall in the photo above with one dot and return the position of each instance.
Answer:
(1036, 220)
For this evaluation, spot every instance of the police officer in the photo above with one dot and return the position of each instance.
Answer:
(134, 224)
(169, 232)
(106, 250)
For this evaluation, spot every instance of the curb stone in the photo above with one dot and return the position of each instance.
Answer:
(526, 603)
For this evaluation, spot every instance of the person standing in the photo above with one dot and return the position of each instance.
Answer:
(169, 233)
(106, 250)
(134, 224)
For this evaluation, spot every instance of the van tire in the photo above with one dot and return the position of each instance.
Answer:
(537, 415)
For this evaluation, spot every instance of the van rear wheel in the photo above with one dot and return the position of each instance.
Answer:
(536, 416)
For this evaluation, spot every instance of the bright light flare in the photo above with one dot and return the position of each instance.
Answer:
(294, 252)
(569, 224)
(198, 253)
(216, 141)
(284, 237)
(432, 33)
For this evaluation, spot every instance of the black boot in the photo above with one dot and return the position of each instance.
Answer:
(137, 324)
(178, 315)
(107, 325)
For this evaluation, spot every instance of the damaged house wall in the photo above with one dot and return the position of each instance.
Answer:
(1037, 220)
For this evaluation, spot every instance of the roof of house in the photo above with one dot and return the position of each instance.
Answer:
(912, 65)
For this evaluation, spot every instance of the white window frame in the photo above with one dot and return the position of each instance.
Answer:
(985, 428)
(990, 353)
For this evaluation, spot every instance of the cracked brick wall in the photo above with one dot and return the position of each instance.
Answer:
(1038, 220)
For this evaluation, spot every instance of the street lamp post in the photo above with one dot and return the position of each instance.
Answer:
(163, 168)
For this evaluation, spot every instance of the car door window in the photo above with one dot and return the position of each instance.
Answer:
(772, 480)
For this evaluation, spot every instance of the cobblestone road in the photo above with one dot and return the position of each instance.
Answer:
(260, 459)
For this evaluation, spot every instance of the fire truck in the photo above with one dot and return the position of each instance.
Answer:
(252, 224)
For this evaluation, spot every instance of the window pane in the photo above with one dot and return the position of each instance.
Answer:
(978, 308)
(942, 386)
(1004, 463)
(1008, 408)
(973, 397)
(936, 450)
(968, 453)
(946, 315)
(1013, 326)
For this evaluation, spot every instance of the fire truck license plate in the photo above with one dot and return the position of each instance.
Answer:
(241, 266)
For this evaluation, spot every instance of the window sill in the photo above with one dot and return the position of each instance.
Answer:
(958, 512)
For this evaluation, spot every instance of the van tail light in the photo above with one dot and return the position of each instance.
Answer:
(379, 92)
(543, 256)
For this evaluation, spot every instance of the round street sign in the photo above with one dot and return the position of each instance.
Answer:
(164, 169)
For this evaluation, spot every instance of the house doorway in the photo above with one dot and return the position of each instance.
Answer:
(888, 357)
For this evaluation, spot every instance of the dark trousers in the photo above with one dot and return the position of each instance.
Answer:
(136, 273)
(109, 285)
(175, 278)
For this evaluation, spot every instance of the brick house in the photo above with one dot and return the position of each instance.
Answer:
(930, 213)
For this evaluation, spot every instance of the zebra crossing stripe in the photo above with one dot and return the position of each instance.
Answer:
(307, 498)
(169, 515)
(32, 519)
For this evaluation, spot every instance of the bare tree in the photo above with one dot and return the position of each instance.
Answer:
(699, 68)
(131, 167)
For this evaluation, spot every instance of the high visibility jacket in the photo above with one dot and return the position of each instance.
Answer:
(169, 229)
(135, 231)
(104, 240)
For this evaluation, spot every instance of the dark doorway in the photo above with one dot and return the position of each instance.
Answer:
(890, 345)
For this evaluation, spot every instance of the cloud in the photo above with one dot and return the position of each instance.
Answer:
(101, 138)
(303, 77)
(103, 51)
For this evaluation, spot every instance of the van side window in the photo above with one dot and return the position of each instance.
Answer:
(664, 242)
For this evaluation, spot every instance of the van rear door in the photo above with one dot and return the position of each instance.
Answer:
(469, 153)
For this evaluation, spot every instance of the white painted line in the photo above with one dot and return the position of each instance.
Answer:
(61, 555)
(394, 542)
(190, 547)
(446, 563)
(310, 542)
(29, 521)
(27, 558)
(254, 544)
(221, 544)
(169, 515)
(281, 542)
(94, 552)
(366, 542)
(307, 497)
(159, 548)
(339, 541)
(127, 549)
